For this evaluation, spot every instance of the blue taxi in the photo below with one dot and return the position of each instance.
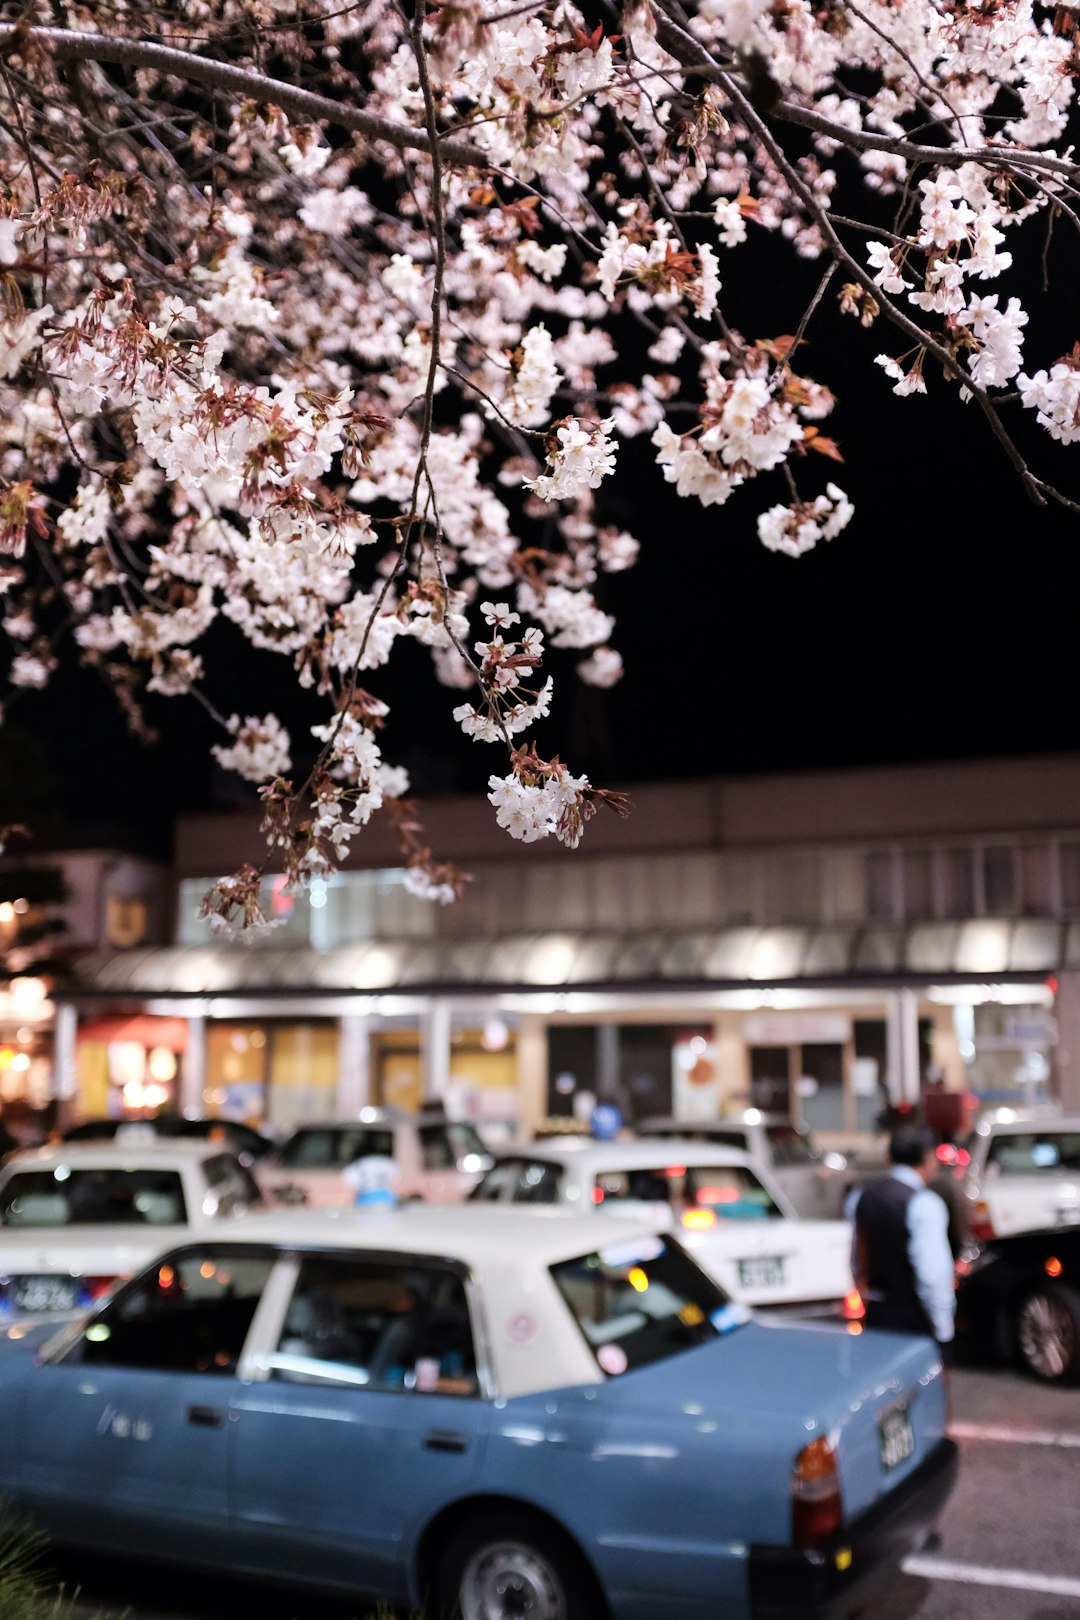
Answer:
(477, 1414)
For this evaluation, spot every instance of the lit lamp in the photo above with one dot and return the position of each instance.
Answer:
(29, 997)
(494, 1035)
(161, 1064)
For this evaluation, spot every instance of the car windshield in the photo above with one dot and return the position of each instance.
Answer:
(71, 1197)
(330, 1148)
(446, 1146)
(524, 1181)
(789, 1145)
(642, 1301)
(1034, 1153)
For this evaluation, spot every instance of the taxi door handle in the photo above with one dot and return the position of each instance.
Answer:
(445, 1440)
(206, 1417)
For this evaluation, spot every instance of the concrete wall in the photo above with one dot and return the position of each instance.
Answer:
(969, 798)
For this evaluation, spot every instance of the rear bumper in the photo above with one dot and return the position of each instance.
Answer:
(789, 1584)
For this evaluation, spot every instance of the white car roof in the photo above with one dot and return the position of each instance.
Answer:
(1042, 1124)
(475, 1234)
(153, 1152)
(724, 1122)
(371, 1119)
(642, 1153)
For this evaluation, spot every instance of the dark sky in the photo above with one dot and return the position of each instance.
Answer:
(941, 624)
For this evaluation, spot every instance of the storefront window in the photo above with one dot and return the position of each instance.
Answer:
(999, 882)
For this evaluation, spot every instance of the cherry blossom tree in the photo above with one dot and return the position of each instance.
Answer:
(333, 323)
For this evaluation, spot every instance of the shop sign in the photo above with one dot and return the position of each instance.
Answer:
(1038, 1029)
(797, 1029)
(125, 921)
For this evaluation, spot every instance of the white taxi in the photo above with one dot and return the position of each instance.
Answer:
(436, 1159)
(724, 1206)
(75, 1218)
(1023, 1174)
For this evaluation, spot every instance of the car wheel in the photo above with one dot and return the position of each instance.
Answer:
(1048, 1334)
(508, 1567)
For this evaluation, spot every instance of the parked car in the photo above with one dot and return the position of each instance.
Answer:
(437, 1159)
(813, 1179)
(724, 1206)
(1018, 1301)
(75, 1218)
(565, 1417)
(249, 1145)
(1023, 1174)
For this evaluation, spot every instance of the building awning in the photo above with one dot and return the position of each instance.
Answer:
(973, 950)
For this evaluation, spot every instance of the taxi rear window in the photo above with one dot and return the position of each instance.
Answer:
(1033, 1153)
(731, 1191)
(642, 1301)
(71, 1197)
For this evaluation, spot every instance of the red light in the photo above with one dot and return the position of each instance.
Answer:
(963, 1156)
(598, 1195)
(718, 1195)
(98, 1287)
(817, 1511)
(1052, 985)
(1052, 1267)
(675, 1171)
(854, 1309)
(946, 1153)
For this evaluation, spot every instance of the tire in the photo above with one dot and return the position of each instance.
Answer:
(1048, 1334)
(508, 1566)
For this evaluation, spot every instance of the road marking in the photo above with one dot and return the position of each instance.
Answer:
(1016, 1437)
(1019, 1580)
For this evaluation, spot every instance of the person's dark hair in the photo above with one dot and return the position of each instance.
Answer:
(910, 1145)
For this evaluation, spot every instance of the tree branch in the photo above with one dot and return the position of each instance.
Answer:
(70, 45)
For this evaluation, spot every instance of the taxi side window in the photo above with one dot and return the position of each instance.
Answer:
(190, 1313)
(377, 1325)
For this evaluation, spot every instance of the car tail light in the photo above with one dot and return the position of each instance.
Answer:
(982, 1227)
(854, 1309)
(698, 1220)
(816, 1508)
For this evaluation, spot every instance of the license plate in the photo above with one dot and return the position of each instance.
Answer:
(44, 1293)
(897, 1437)
(762, 1271)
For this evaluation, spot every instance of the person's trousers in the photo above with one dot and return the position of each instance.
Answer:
(904, 1316)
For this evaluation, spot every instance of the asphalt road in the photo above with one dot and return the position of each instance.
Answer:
(1009, 1545)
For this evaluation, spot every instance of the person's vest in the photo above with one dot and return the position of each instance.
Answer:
(881, 1222)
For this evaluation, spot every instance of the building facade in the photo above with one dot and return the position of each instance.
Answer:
(825, 943)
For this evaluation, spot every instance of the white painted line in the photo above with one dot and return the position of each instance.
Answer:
(1019, 1580)
(1015, 1437)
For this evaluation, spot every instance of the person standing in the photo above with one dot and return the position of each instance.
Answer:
(901, 1256)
